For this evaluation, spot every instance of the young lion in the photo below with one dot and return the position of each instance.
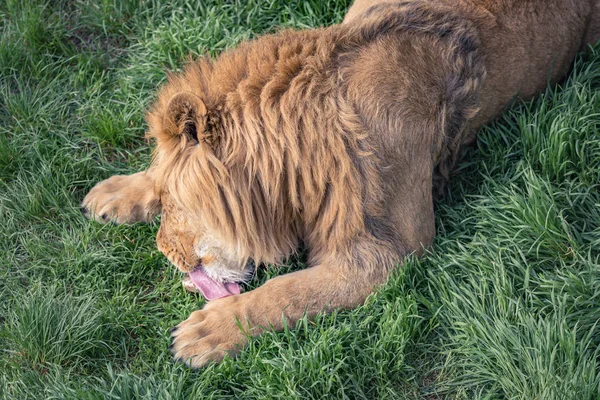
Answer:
(335, 137)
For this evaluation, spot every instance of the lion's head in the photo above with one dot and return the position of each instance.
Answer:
(214, 222)
(220, 210)
(186, 235)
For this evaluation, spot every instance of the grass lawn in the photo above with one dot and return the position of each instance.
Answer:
(506, 305)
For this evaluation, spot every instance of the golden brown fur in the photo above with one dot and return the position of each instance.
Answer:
(336, 137)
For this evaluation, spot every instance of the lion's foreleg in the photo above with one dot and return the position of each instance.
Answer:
(208, 334)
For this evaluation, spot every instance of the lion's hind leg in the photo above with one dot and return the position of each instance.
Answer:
(123, 199)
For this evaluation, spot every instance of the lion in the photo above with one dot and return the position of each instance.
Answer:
(338, 138)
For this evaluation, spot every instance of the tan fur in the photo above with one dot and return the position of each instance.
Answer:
(123, 199)
(336, 137)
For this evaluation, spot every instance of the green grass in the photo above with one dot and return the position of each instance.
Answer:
(506, 305)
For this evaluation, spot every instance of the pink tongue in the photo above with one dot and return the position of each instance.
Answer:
(210, 288)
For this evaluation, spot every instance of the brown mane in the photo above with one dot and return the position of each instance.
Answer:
(286, 160)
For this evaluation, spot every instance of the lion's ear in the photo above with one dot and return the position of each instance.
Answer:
(186, 116)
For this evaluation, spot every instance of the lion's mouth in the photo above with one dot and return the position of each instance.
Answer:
(210, 288)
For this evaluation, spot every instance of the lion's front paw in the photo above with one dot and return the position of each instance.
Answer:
(209, 334)
(122, 199)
